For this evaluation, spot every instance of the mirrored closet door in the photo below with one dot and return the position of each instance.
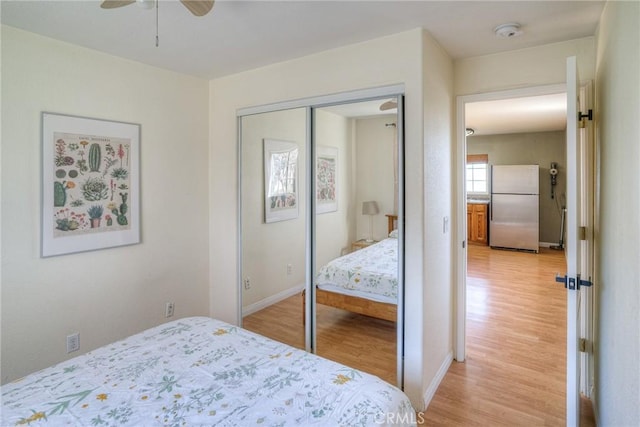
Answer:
(355, 248)
(273, 223)
(321, 253)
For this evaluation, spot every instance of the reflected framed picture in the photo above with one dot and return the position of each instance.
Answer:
(280, 180)
(326, 179)
(90, 184)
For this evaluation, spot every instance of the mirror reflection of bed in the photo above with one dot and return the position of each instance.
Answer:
(357, 293)
(357, 329)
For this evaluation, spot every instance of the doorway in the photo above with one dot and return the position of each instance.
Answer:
(586, 165)
(461, 199)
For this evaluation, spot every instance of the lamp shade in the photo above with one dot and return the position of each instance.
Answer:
(370, 208)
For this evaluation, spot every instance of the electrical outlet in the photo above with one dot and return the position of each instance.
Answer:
(247, 283)
(289, 269)
(73, 342)
(168, 309)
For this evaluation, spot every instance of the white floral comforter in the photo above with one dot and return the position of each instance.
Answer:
(201, 372)
(371, 272)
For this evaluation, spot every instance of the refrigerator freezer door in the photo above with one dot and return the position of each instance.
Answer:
(515, 179)
(514, 221)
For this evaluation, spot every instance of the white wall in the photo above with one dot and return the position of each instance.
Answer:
(618, 136)
(396, 59)
(374, 173)
(438, 290)
(107, 294)
(536, 66)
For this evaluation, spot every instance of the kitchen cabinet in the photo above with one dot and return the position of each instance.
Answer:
(477, 223)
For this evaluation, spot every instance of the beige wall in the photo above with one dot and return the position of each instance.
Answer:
(108, 294)
(618, 136)
(335, 230)
(268, 248)
(374, 173)
(396, 59)
(536, 148)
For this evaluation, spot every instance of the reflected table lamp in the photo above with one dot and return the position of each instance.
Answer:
(370, 208)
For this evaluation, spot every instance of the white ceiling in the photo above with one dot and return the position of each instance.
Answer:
(242, 35)
(518, 115)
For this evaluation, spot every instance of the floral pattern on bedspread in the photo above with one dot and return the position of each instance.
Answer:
(200, 371)
(372, 270)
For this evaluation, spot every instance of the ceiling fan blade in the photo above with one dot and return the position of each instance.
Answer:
(112, 4)
(389, 105)
(198, 7)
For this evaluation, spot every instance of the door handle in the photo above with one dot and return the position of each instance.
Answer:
(572, 283)
(569, 282)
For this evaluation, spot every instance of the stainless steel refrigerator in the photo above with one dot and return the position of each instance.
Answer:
(514, 220)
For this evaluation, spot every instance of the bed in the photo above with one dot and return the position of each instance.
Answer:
(364, 281)
(201, 371)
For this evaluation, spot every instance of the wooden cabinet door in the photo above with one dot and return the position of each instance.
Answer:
(477, 223)
(469, 223)
(480, 223)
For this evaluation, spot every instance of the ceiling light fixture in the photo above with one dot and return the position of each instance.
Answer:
(508, 31)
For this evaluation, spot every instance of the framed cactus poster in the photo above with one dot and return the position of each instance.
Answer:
(90, 184)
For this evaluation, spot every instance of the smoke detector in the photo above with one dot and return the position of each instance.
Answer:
(508, 30)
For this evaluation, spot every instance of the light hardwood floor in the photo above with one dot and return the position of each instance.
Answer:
(514, 374)
(358, 341)
(516, 330)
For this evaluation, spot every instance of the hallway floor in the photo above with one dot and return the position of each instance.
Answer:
(514, 372)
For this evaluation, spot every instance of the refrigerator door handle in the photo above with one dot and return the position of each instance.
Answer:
(490, 209)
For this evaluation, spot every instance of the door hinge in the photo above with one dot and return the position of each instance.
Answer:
(588, 116)
(582, 346)
(582, 233)
(464, 244)
(581, 117)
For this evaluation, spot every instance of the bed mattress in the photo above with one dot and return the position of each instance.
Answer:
(200, 371)
(371, 273)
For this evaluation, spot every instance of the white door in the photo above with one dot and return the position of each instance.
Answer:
(573, 223)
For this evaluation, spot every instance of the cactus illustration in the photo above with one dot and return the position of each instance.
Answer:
(121, 214)
(59, 193)
(95, 157)
(94, 189)
(95, 215)
(95, 211)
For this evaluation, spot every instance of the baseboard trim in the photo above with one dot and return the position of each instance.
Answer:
(435, 383)
(266, 302)
(546, 244)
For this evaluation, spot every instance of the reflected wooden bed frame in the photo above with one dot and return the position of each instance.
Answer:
(367, 307)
